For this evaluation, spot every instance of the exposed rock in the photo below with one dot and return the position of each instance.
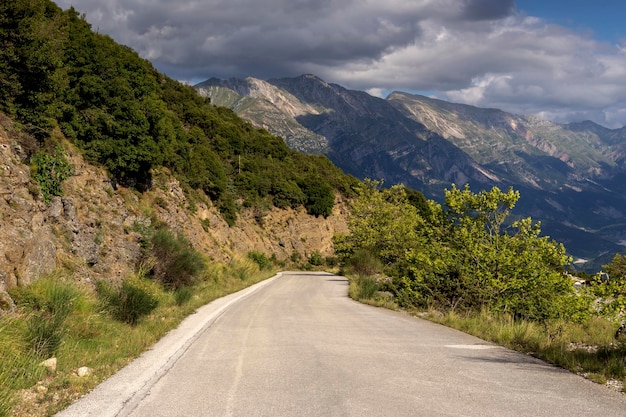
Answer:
(83, 371)
(50, 364)
(39, 257)
(96, 229)
(6, 302)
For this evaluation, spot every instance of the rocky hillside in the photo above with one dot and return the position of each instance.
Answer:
(94, 229)
(270, 107)
(571, 177)
(570, 154)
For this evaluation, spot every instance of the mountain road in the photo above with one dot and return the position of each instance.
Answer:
(296, 345)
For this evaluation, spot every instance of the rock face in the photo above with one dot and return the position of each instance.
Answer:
(94, 229)
(270, 107)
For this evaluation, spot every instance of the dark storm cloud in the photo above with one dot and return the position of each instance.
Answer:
(478, 52)
(488, 9)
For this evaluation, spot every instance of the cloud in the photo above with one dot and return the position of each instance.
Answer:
(480, 52)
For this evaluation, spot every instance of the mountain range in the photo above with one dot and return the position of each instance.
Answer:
(571, 177)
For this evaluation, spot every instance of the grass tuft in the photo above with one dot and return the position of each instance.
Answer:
(133, 299)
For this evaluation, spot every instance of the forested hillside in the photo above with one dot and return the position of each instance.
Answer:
(59, 78)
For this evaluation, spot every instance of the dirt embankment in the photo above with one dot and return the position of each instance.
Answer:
(94, 230)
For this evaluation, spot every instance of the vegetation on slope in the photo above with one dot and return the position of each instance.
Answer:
(56, 74)
(101, 329)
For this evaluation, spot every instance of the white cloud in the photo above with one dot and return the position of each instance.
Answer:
(474, 51)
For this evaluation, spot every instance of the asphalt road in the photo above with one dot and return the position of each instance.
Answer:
(297, 346)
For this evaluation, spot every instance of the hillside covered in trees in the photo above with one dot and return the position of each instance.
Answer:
(58, 79)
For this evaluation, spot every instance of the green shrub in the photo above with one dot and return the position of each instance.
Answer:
(331, 261)
(320, 198)
(363, 288)
(228, 209)
(183, 295)
(176, 262)
(128, 302)
(260, 259)
(50, 171)
(364, 263)
(288, 194)
(316, 259)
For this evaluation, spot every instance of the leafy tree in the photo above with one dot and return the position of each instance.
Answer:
(320, 198)
(382, 222)
(507, 268)
(466, 255)
(611, 287)
(287, 194)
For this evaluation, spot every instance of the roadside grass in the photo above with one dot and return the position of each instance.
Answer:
(588, 349)
(368, 290)
(100, 330)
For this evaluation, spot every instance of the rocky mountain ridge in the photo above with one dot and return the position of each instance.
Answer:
(94, 228)
(570, 176)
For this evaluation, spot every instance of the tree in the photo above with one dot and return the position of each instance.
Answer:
(612, 288)
(320, 197)
(507, 267)
(383, 222)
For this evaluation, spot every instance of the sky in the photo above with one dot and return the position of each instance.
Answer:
(561, 60)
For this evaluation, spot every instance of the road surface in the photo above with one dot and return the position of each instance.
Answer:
(297, 346)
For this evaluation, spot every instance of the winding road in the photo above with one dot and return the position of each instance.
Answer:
(296, 345)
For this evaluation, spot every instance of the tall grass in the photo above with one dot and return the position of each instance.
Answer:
(130, 301)
(587, 348)
(48, 302)
(19, 368)
(367, 289)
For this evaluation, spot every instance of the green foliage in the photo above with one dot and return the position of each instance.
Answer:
(288, 194)
(176, 263)
(316, 259)
(611, 289)
(363, 288)
(320, 198)
(466, 256)
(515, 271)
(363, 263)
(44, 334)
(50, 170)
(228, 208)
(383, 223)
(260, 259)
(123, 114)
(183, 295)
(48, 302)
(130, 301)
